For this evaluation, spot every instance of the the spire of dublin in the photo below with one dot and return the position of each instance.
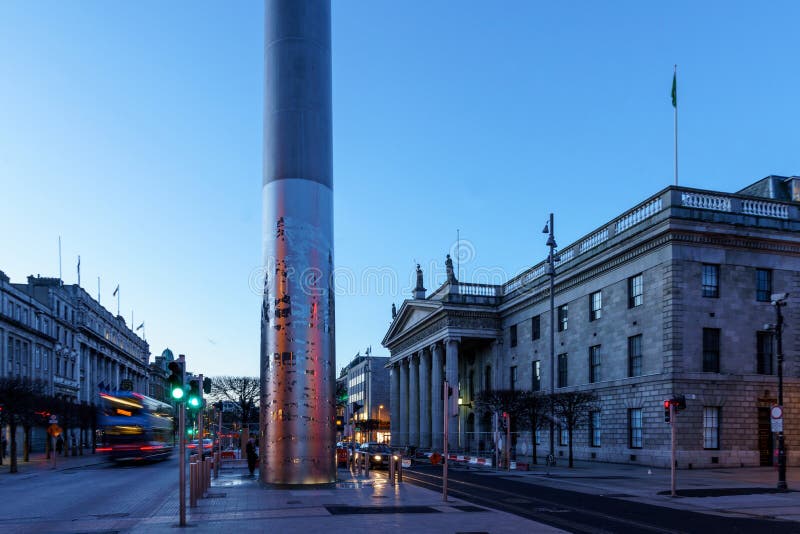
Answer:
(297, 321)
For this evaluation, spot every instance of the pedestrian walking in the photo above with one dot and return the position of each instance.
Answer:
(59, 444)
(250, 449)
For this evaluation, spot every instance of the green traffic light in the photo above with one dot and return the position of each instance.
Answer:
(177, 392)
(194, 402)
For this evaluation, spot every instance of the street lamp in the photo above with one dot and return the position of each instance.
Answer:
(550, 270)
(779, 300)
(380, 407)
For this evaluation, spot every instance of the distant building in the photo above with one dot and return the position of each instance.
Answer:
(671, 297)
(367, 408)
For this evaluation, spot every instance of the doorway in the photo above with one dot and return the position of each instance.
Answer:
(764, 438)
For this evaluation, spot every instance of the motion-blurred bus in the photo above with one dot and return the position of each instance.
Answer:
(135, 427)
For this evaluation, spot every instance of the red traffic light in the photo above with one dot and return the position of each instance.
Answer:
(666, 404)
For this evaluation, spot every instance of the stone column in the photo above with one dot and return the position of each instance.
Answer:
(497, 370)
(413, 400)
(437, 407)
(424, 398)
(394, 402)
(451, 375)
(403, 437)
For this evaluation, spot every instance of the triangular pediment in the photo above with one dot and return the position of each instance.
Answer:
(411, 313)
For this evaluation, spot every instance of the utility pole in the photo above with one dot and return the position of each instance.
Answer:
(779, 300)
(550, 270)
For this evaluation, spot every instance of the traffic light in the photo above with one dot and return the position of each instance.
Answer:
(175, 381)
(207, 386)
(339, 424)
(194, 399)
(679, 402)
(666, 411)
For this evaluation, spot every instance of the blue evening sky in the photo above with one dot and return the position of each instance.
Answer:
(134, 131)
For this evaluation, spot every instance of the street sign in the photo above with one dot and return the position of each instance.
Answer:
(53, 419)
(776, 422)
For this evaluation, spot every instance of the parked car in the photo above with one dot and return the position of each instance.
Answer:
(378, 453)
(208, 445)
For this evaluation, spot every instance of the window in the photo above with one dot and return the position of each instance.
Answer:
(594, 429)
(710, 280)
(513, 335)
(487, 378)
(594, 363)
(595, 305)
(513, 377)
(635, 355)
(635, 291)
(764, 353)
(562, 370)
(635, 428)
(563, 315)
(763, 285)
(536, 373)
(536, 328)
(711, 427)
(711, 350)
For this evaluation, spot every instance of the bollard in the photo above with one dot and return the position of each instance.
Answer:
(366, 464)
(217, 460)
(392, 460)
(399, 469)
(192, 484)
(208, 474)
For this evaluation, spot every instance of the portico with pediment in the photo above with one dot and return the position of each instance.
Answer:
(450, 336)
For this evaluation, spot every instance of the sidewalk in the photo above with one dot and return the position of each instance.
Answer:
(357, 504)
(39, 463)
(733, 492)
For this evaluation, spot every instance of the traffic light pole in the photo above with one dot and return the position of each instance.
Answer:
(673, 492)
(446, 432)
(200, 446)
(182, 461)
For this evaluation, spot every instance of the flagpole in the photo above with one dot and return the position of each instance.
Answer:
(79, 270)
(98, 290)
(117, 299)
(59, 260)
(675, 106)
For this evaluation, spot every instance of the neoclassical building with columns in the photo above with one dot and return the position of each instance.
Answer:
(672, 297)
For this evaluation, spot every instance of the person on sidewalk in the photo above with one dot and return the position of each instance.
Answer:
(59, 445)
(250, 450)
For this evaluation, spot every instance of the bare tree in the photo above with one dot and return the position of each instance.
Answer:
(499, 401)
(572, 408)
(19, 398)
(244, 391)
(534, 406)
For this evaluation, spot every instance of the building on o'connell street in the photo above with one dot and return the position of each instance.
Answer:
(59, 334)
(672, 297)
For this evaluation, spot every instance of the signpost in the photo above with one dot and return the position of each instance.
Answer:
(776, 419)
(53, 431)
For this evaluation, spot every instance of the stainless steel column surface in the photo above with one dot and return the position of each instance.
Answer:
(297, 321)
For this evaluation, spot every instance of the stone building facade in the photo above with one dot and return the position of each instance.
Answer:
(367, 380)
(673, 297)
(62, 335)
